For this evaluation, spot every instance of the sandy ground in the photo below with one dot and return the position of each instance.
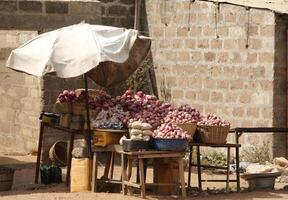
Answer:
(24, 188)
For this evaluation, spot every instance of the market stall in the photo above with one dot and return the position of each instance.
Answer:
(137, 121)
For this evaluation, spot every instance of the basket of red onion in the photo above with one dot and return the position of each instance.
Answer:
(170, 137)
(213, 130)
(64, 101)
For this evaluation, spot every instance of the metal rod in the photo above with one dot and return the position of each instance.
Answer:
(88, 137)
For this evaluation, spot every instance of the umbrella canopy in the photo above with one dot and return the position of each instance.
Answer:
(109, 54)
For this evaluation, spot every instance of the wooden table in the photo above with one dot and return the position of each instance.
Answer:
(70, 148)
(140, 156)
(110, 150)
(199, 165)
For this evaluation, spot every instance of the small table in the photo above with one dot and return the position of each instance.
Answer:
(140, 156)
(110, 150)
(228, 146)
(70, 148)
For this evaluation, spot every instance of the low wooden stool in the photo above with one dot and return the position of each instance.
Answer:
(140, 156)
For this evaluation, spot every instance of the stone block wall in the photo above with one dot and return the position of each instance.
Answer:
(20, 100)
(222, 59)
(23, 97)
(43, 15)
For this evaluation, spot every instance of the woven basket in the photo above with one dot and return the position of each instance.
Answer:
(58, 153)
(78, 108)
(213, 134)
(189, 127)
(64, 107)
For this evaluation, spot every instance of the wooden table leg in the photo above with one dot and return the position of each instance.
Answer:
(129, 167)
(112, 165)
(71, 144)
(199, 169)
(124, 174)
(142, 178)
(237, 169)
(39, 152)
(107, 165)
(94, 173)
(190, 166)
(182, 179)
(228, 169)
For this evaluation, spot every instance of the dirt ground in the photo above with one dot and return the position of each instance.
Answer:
(24, 188)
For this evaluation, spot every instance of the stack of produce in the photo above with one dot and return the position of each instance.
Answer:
(140, 131)
(110, 118)
(212, 120)
(212, 129)
(170, 131)
(144, 108)
(139, 137)
(66, 96)
(64, 106)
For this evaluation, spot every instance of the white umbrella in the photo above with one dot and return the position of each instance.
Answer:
(103, 51)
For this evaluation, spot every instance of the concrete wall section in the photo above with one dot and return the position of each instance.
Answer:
(222, 59)
(20, 100)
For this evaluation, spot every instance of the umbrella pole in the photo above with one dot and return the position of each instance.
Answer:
(88, 134)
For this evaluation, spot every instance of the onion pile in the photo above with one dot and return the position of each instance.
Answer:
(183, 114)
(66, 96)
(212, 120)
(170, 131)
(149, 109)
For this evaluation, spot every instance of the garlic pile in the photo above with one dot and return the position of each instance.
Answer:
(140, 131)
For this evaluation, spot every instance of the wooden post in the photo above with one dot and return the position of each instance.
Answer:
(94, 173)
(71, 143)
(88, 136)
(228, 169)
(39, 152)
(190, 166)
(199, 169)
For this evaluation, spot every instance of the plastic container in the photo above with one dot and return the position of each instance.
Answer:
(261, 180)
(6, 178)
(136, 145)
(105, 138)
(81, 173)
(170, 144)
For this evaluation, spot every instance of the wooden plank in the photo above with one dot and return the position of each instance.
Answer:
(218, 180)
(136, 185)
(215, 145)
(208, 166)
(259, 129)
(168, 155)
(142, 179)
(182, 179)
